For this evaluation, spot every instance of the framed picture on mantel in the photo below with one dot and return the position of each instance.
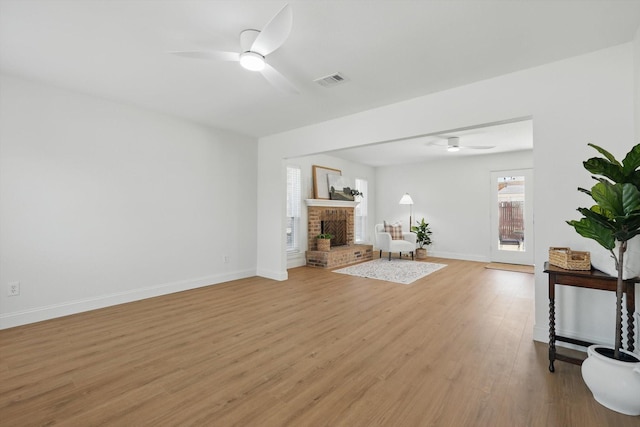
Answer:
(320, 182)
(340, 188)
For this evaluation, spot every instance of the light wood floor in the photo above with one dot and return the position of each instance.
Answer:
(321, 349)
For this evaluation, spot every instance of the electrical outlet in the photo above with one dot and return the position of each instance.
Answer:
(226, 259)
(13, 290)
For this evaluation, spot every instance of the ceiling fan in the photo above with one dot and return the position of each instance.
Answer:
(453, 144)
(255, 45)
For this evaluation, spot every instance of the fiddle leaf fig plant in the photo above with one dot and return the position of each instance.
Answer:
(615, 217)
(423, 233)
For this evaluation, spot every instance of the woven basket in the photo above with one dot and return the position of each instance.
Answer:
(569, 260)
(324, 245)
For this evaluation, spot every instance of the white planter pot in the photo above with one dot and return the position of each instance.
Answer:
(614, 383)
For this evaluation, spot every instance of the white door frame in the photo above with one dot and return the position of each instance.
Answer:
(507, 256)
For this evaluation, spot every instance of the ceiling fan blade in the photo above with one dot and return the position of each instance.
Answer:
(278, 81)
(215, 55)
(436, 143)
(480, 147)
(274, 33)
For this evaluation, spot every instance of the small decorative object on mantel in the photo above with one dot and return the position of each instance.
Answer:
(611, 373)
(341, 188)
(568, 259)
(324, 242)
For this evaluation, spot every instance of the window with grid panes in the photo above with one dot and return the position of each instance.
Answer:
(294, 201)
(361, 212)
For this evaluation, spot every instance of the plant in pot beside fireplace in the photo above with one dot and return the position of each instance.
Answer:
(324, 241)
(611, 373)
(423, 238)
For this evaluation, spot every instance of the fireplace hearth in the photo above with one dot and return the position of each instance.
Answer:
(338, 219)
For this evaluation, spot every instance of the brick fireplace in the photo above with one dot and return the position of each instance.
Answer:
(335, 217)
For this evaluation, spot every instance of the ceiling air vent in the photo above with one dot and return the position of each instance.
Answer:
(331, 80)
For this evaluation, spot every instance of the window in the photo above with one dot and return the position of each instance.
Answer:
(361, 211)
(294, 201)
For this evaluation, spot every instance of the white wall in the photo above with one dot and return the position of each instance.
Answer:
(454, 197)
(589, 98)
(636, 76)
(103, 203)
(348, 169)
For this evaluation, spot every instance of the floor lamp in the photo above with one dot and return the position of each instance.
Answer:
(407, 200)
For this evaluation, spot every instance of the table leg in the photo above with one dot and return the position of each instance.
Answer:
(552, 335)
(631, 308)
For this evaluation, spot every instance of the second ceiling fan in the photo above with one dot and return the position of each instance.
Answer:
(453, 144)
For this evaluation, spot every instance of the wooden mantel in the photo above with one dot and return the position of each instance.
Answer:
(331, 203)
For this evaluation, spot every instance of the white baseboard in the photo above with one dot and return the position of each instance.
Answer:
(541, 334)
(455, 255)
(449, 255)
(38, 314)
(273, 275)
(296, 260)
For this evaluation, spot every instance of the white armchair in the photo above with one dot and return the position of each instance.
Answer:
(384, 242)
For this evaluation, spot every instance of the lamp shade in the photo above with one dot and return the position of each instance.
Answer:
(406, 199)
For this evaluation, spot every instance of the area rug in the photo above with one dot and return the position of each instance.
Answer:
(510, 267)
(396, 270)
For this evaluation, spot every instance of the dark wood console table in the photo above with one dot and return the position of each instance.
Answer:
(593, 279)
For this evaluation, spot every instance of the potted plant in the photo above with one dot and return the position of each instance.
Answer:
(324, 241)
(613, 374)
(423, 237)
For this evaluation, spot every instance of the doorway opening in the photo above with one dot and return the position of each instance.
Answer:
(512, 217)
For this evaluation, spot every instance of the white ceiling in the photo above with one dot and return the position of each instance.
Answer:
(502, 137)
(390, 50)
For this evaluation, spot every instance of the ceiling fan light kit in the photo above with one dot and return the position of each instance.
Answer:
(252, 61)
(453, 144)
(255, 45)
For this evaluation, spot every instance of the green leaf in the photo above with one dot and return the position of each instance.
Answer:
(609, 197)
(627, 172)
(635, 179)
(626, 233)
(605, 153)
(599, 166)
(630, 198)
(631, 222)
(593, 230)
(601, 221)
(632, 161)
(634, 234)
(601, 212)
(584, 190)
(600, 179)
(616, 214)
